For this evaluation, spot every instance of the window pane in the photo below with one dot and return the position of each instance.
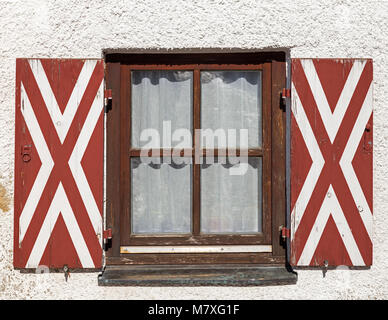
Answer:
(231, 203)
(157, 96)
(232, 100)
(161, 197)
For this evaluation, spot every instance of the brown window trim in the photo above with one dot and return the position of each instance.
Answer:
(196, 238)
(117, 78)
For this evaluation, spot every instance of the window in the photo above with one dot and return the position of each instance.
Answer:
(196, 158)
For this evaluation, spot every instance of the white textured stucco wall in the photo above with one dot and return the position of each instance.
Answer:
(42, 28)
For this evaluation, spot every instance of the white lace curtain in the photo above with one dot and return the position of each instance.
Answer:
(232, 100)
(161, 95)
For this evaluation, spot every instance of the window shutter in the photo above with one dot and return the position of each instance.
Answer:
(58, 163)
(331, 162)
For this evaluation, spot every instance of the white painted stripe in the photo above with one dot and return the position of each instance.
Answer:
(316, 157)
(47, 164)
(331, 206)
(347, 158)
(332, 121)
(61, 121)
(196, 249)
(60, 204)
(75, 162)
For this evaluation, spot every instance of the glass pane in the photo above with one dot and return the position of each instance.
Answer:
(232, 100)
(231, 203)
(161, 197)
(157, 96)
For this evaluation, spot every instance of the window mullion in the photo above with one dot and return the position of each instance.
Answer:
(196, 166)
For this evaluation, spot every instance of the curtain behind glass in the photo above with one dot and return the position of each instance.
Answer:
(232, 100)
(161, 197)
(157, 96)
(231, 203)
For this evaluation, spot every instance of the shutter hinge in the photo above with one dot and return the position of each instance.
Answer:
(285, 232)
(107, 234)
(286, 93)
(107, 100)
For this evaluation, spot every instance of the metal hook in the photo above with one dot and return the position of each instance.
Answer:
(66, 271)
(325, 266)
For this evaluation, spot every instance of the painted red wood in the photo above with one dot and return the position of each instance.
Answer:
(58, 163)
(331, 162)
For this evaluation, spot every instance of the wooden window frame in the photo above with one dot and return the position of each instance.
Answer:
(118, 77)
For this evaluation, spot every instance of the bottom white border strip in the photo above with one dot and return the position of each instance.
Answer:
(196, 249)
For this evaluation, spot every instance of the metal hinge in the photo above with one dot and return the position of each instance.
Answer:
(107, 234)
(107, 100)
(285, 232)
(286, 93)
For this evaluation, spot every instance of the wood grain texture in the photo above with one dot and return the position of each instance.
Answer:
(196, 275)
(278, 178)
(112, 151)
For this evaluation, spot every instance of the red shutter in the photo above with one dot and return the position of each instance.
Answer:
(331, 162)
(58, 163)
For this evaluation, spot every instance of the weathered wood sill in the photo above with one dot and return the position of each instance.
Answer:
(196, 275)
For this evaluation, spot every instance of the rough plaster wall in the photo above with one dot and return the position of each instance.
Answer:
(40, 28)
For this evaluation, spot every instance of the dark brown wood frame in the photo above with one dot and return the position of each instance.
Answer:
(118, 166)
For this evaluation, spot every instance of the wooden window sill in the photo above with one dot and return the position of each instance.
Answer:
(196, 275)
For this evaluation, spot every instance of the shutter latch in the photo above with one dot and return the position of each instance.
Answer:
(26, 152)
(108, 100)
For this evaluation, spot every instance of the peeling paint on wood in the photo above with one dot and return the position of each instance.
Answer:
(196, 275)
